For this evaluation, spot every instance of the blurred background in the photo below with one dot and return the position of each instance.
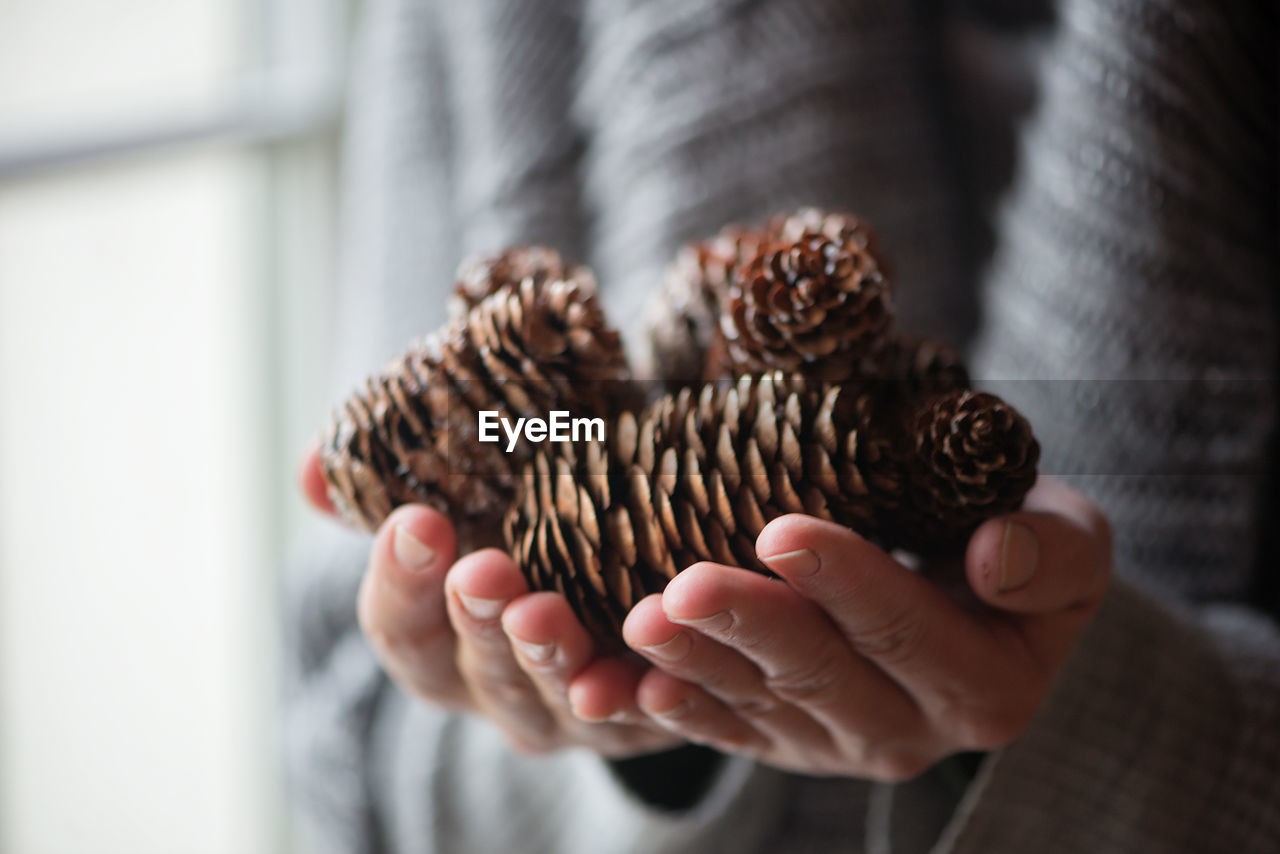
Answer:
(167, 221)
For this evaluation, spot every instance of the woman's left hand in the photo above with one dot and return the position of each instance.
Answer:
(855, 665)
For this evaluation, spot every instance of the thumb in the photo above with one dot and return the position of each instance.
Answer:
(401, 604)
(1039, 561)
(311, 481)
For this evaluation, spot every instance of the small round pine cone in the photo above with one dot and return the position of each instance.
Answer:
(972, 456)
(815, 304)
(686, 341)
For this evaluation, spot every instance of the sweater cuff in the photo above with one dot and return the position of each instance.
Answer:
(1126, 749)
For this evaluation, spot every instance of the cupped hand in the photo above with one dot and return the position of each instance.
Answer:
(852, 664)
(466, 634)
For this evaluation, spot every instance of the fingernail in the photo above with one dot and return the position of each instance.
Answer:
(676, 711)
(538, 653)
(798, 564)
(715, 623)
(583, 716)
(483, 610)
(1018, 558)
(672, 650)
(412, 553)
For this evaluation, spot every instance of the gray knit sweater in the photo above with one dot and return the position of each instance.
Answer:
(1085, 193)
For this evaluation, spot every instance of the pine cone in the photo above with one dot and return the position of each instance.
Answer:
(972, 456)
(687, 341)
(699, 474)
(525, 349)
(692, 478)
(815, 305)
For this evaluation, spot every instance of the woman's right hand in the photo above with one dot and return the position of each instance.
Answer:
(466, 634)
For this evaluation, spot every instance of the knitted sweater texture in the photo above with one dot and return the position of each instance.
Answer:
(1084, 193)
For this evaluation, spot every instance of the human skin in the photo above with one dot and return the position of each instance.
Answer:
(849, 663)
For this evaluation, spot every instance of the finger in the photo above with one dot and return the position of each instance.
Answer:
(908, 628)
(555, 650)
(401, 604)
(603, 697)
(686, 709)
(800, 662)
(1052, 556)
(725, 674)
(693, 657)
(1044, 569)
(605, 690)
(479, 588)
(312, 483)
(559, 657)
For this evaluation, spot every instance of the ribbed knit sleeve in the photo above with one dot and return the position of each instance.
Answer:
(1132, 301)
(1160, 734)
(509, 69)
(334, 690)
(1133, 298)
(399, 241)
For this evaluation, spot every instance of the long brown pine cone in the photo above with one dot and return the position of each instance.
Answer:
(532, 340)
(698, 475)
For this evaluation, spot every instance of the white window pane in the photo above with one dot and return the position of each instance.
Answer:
(134, 592)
